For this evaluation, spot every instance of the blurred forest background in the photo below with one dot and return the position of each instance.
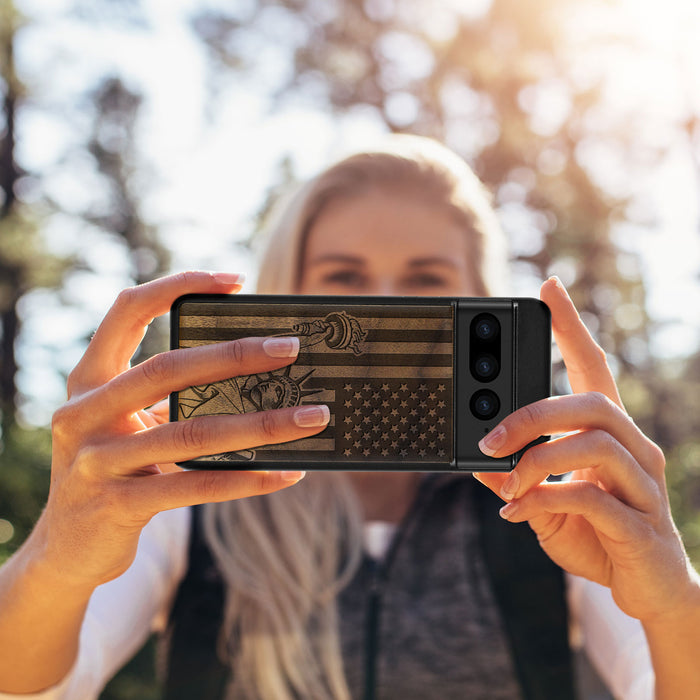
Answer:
(584, 126)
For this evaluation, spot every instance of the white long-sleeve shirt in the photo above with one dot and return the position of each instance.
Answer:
(124, 612)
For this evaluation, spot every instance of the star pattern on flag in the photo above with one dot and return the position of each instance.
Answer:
(395, 419)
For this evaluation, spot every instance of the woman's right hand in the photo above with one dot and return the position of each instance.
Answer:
(113, 458)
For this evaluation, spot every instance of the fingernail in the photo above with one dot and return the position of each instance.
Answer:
(312, 416)
(281, 347)
(510, 486)
(559, 284)
(508, 510)
(490, 444)
(292, 476)
(228, 277)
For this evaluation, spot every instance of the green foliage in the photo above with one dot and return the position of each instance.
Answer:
(21, 247)
(680, 412)
(25, 460)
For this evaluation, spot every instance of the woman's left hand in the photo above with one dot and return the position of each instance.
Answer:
(611, 522)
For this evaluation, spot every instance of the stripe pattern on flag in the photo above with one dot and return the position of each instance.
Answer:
(384, 371)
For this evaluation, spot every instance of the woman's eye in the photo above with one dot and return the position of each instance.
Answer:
(346, 278)
(425, 281)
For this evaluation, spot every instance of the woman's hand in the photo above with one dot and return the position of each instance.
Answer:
(113, 458)
(611, 522)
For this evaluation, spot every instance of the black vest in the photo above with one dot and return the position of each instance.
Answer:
(527, 586)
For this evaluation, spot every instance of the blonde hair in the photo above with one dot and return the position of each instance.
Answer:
(285, 556)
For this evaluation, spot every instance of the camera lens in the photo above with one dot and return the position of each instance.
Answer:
(485, 404)
(485, 367)
(486, 327)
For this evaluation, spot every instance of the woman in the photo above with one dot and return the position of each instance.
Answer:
(409, 220)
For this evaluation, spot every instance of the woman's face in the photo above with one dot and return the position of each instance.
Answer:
(386, 244)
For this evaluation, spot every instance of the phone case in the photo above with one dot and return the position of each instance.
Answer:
(410, 381)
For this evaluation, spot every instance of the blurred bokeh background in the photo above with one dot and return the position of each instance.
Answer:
(143, 136)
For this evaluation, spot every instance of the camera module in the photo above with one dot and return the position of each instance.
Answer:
(486, 327)
(485, 367)
(485, 404)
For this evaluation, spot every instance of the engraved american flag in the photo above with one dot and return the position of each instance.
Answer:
(385, 371)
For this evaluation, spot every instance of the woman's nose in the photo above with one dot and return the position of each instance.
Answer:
(384, 287)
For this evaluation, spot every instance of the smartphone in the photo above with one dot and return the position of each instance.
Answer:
(413, 383)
